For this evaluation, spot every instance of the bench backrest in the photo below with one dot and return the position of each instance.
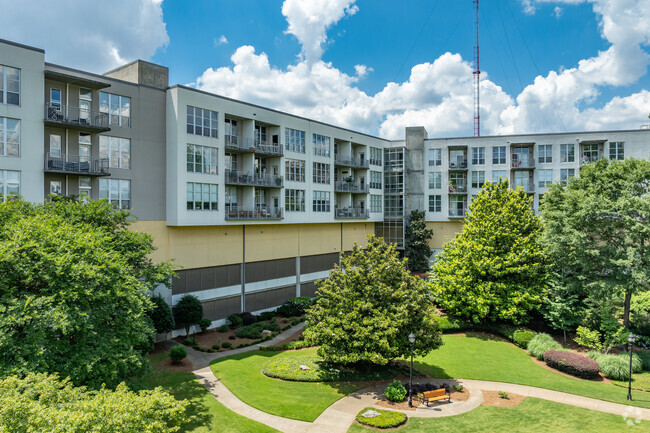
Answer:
(435, 393)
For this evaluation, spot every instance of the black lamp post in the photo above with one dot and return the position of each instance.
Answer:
(412, 341)
(630, 340)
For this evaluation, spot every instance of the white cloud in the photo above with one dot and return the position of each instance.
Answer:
(127, 30)
(558, 12)
(362, 70)
(222, 40)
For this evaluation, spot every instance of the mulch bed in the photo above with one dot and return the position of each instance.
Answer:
(491, 398)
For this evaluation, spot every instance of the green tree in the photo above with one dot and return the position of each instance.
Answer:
(43, 403)
(161, 315)
(74, 291)
(495, 268)
(417, 242)
(368, 306)
(188, 311)
(598, 232)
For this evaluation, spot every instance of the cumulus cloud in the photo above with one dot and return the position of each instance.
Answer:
(127, 30)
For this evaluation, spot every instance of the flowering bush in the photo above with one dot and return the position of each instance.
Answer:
(572, 363)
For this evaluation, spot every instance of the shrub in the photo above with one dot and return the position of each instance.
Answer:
(644, 356)
(572, 363)
(191, 341)
(235, 321)
(459, 388)
(267, 315)
(294, 322)
(542, 343)
(204, 324)
(395, 392)
(226, 345)
(617, 367)
(161, 315)
(449, 324)
(188, 311)
(248, 318)
(294, 307)
(387, 419)
(522, 337)
(217, 346)
(588, 338)
(231, 337)
(223, 328)
(177, 354)
(284, 311)
(504, 395)
(254, 331)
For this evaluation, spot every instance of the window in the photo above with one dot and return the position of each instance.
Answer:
(435, 180)
(457, 182)
(590, 152)
(294, 200)
(260, 134)
(232, 131)
(231, 197)
(567, 153)
(9, 137)
(84, 186)
(546, 153)
(435, 203)
(9, 85)
(201, 196)
(375, 203)
(321, 173)
(375, 156)
(498, 175)
(478, 155)
(117, 107)
(617, 150)
(117, 191)
(566, 173)
(84, 147)
(321, 202)
(499, 155)
(85, 94)
(116, 150)
(478, 179)
(9, 183)
(55, 187)
(294, 170)
(375, 179)
(55, 146)
(201, 122)
(545, 177)
(321, 145)
(435, 157)
(201, 159)
(55, 98)
(294, 140)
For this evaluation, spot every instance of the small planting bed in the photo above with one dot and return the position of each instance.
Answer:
(386, 418)
(501, 399)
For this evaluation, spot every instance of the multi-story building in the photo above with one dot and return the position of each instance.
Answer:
(253, 205)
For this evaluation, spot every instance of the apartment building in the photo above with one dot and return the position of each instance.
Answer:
(252, 204)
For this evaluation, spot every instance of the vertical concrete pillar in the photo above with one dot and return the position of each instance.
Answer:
(414, 161)
(298, 276)
(243, 270)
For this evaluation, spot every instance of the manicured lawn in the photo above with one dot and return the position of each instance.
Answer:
(639, 381)
(303, 401)
(531, 416)
(206, 413)
(475, 356)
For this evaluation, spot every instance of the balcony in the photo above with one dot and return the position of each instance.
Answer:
(75, 164)
(232, 142)
(588, 159)
(522, 164)
(75, 118)
(261, 212)
(347, 161)
(350, 187)
(456, 213)
(458, 164)
(351, 213)
(458, 189)
(235, 177)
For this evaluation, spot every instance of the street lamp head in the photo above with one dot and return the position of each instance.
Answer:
(411, 338)
(631, 338)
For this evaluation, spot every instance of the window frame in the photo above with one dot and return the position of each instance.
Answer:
(499, 155)
(111, 151)
(4, 137)
(294, 200)
(547, 157)
(435, 203)
(212, 192)
(322, 145)
(478, 155)
(321, 201)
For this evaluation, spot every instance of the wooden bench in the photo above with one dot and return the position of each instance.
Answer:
(438, 394)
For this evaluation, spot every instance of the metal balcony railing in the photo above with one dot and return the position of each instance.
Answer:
(350, 187)
(458, 188)
(351, 212)
(458, 164)
(235, 177)
(457, 213)
(523, 163)
(75, 164)
(260, 212)
(233, 142)
(348, 161)
(586, 159)
(76, 117)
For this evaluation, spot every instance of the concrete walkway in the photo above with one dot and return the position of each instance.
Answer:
(339, 416)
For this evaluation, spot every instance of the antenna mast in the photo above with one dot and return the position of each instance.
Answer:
(477, 76)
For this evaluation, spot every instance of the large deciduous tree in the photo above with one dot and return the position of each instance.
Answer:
(417, 247)
(368, 306)
(495, 268)
(74, 291)
(598, 231)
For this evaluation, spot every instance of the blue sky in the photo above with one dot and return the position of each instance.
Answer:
(376, 65)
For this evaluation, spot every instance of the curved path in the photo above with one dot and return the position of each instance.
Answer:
(340, 415)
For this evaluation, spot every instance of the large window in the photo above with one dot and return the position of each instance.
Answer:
(9, 85)
(435, 157)
(232, 133)
(499, 155)
(9, 183)
(435, 180)
(375, 203)
(375, 179)
(201, 196)
(321, 145)
(321, 173)
(617, 150)
(478, 155)
(567, 153)
(546, 153)
(294, 140)
(590, 152)
(375, 156)
(202, 122)
(498, 175)
(478, 179)
(117, 107)
(85, 186)
(9, 137)
(202, 159)
(321, 202)
(435, 203)
(294, 200)
(55, 146)
(566, 173)
(116, 150)
(294, 170)
(117, 191)
(545, 177)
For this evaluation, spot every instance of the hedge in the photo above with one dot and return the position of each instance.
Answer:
(617, 367)
(644, 355)
(387, 419)
(572, 363)
(254, 331)
(542, 343)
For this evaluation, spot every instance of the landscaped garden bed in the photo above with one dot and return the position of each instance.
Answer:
(379, 418)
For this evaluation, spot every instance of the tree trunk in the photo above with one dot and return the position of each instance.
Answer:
(626, 308)
(564, 330)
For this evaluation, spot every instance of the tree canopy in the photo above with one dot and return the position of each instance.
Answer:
(495, 268)
(368, 306)
(417, 247)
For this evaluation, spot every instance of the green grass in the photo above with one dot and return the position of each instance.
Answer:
(206, 414)
(639, 381)
(303, 401)
(474, 356)
(531, 416)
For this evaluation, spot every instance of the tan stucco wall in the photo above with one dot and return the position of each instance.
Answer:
(443, 232)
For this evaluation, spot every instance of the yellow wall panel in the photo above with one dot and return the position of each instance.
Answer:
(356, 232)
(443, 232)
(319, 238)
(268, 242)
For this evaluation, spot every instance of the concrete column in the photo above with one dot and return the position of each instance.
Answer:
(297, 276)
(414, 160)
